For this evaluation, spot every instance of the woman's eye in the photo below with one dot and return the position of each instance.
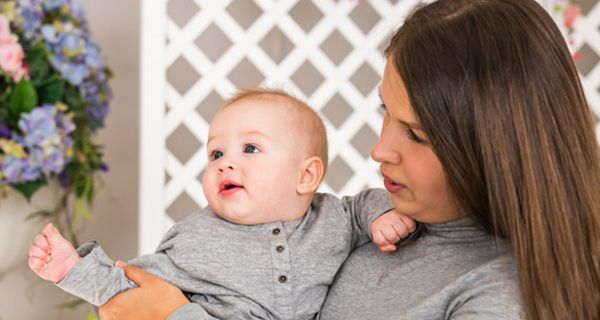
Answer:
(216, 154)
(413, 136)
(250, 148)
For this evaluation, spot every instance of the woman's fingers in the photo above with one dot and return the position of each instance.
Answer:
(139, 276)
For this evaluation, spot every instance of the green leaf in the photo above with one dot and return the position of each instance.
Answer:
(40, 214)
(91, 316)
(81, 211)
(23, 98)
(37, 62)
(74, 100)
(51, 91)
(29, 188)
(71, 304)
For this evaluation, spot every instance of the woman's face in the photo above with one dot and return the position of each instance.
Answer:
(412, 172)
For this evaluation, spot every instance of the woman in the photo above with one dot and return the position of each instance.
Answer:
(488, 142)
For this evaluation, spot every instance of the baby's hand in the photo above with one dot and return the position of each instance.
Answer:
(51, 256)
(389, 228)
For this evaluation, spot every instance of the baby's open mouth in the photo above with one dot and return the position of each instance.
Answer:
(228, 187)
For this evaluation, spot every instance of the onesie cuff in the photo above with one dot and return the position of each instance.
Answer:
(91, 254)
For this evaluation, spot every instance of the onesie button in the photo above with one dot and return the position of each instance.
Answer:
(276, 231)
(282, 279)
(280, 248)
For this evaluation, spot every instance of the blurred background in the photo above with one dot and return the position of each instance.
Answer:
(196, 54)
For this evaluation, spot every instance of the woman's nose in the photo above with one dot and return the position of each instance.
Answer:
(384, 151)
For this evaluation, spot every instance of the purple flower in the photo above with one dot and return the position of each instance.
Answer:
(51, 5)
(31, 14)
(49, 33)
(92, 56)
(38, 125)
(96, 114)
(47, 143)
(74, 73)
(19, 170)
(4, 130)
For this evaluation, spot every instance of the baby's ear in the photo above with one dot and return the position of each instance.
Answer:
(310, 175)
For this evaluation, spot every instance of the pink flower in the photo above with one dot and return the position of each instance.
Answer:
(570, 14)
(5, 36)
(11, 52)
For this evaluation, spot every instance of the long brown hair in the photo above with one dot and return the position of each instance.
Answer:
(495, 89)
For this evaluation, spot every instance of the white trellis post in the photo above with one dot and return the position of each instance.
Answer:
(152, 100)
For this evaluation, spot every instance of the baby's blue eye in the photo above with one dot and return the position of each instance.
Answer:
(216, 154)
(250, 148)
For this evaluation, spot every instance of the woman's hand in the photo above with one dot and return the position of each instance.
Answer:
(154, 299)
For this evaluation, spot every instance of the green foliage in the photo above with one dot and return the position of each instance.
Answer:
(51, 90)
(91, 316)
(23, 98)
(27, 189)
(37, 57)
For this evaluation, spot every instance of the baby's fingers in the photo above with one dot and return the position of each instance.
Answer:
(378, 238)
(37, 252)
(390, 234)
(410, 223)
(401, 230)
(37, 264)
(42, 242)
(387, 249)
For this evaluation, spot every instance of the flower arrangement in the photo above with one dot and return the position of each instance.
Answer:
(53, 98)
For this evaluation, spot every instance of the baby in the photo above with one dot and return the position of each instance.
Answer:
(267, 246)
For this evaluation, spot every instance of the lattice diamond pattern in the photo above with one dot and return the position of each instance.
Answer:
(276, 45)
(587, 42)
(181, 11)
(365, 17)
(214, 42)
(327, 52)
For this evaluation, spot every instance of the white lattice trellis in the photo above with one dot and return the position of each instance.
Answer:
(330, 55)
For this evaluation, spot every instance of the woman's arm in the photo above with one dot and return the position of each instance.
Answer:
(154, 299)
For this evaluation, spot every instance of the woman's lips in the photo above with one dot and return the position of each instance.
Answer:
(391, 186)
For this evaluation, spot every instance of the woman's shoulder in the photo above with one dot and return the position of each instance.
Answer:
(428, 280)
(490, 291)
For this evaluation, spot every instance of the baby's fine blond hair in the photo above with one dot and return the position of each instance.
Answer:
(308, 122)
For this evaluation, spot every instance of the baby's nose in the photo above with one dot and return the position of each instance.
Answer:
(225, 165)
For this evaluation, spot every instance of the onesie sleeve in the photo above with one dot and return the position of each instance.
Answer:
(190, 311)
(362, 209)
(95, 279)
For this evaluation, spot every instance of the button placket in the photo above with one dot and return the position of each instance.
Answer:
(282, 267)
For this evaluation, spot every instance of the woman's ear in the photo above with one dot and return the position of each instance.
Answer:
(311, 174)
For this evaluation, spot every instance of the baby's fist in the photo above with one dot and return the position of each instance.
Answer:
(51, 256)
(389, 228)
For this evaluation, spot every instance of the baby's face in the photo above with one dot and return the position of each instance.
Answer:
(254, 162)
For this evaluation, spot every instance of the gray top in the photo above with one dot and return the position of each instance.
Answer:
(453, 272)
(279, 270)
